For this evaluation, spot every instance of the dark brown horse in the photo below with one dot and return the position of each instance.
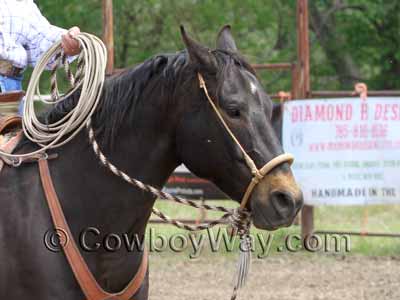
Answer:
(151, 119)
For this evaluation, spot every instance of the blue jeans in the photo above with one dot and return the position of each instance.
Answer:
(8, 84)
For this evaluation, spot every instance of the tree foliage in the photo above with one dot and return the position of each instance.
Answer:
(351, 40)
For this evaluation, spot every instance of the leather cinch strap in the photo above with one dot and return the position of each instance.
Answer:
(85, 278)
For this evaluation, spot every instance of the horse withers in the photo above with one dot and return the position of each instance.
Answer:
(151, 119)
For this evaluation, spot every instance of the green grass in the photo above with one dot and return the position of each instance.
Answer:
(382, 218)
(374, 218)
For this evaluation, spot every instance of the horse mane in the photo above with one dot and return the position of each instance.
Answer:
(123, 92)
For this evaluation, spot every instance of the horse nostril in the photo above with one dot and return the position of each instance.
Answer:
(283, 203)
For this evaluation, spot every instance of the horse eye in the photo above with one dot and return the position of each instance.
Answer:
(234, 113)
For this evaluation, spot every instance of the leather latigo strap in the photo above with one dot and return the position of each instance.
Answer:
(84, 277)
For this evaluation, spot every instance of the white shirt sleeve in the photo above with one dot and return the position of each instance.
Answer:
(40, 36)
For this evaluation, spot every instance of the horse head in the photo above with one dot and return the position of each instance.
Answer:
(205, 146)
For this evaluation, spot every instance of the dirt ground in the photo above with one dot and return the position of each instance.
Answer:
(283, 277)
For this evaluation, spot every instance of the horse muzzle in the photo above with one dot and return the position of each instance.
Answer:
(276, 201)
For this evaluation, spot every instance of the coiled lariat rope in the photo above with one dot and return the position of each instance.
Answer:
(89, 77)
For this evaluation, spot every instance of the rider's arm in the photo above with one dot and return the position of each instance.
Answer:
(41, 35)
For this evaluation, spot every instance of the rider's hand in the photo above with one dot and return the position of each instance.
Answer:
(69, 44)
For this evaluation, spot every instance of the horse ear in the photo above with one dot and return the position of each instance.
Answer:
(198, 53)
(225, 39)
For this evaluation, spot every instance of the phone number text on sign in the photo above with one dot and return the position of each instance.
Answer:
(347, 151)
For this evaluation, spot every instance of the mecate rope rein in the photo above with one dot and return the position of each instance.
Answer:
(89, 77)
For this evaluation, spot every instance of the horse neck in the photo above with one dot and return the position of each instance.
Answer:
(92, 196)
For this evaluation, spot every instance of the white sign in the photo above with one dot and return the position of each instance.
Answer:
(347, 151)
